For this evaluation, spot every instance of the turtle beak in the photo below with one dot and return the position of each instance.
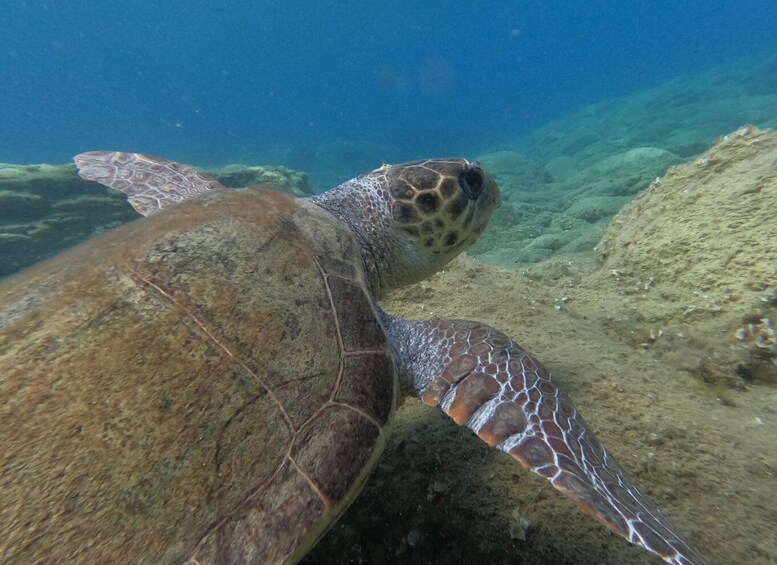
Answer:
(472, 180)
(476, 180)
(492, 187)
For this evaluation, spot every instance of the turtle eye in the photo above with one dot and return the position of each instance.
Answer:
(471, 182)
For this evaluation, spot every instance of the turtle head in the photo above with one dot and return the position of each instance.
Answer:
(412, 219)
(440, 207)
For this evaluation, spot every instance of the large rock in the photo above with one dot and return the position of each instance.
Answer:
(632, 170)
(47, 208)
(281, 178)
(515, 171)
(705, 238)
(594, 208)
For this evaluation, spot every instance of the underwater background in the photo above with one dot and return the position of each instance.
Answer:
(635, 251)
(334, 88)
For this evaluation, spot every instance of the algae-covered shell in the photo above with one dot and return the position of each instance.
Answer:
(204, 372)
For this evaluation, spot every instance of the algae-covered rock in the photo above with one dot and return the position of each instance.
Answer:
(705, 236)
(281, 178)
(594, 208)
(708, 224)
(21, 204)
(639, 166)
(561, 168)
(515, 171)
(620, 174)
(47, 208)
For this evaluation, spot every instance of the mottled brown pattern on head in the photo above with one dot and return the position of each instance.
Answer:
(401, 190)
(448, 187)
(438, 200)
(405, 212)
(457, 206)
(420, 177)
(428, 202)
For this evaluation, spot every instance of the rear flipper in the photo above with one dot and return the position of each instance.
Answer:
(481, 378)
(150, 183)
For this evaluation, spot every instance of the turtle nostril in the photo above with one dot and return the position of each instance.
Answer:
(471, 182)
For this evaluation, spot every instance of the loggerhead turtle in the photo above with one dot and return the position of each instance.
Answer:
(214, 383)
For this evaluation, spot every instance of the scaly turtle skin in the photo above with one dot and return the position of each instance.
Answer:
(213, 383)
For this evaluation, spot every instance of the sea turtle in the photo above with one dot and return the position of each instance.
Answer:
(214, 382)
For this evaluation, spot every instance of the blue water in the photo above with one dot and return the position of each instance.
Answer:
(201, 83)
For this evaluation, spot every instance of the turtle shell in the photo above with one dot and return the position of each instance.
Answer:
(208, 383)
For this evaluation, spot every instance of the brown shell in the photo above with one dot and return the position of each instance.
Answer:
(209, 383)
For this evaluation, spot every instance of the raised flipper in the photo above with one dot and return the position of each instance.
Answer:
(481, 378)
(150, 183)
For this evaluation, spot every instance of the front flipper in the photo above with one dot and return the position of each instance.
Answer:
(150, 183)
(481, 378)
